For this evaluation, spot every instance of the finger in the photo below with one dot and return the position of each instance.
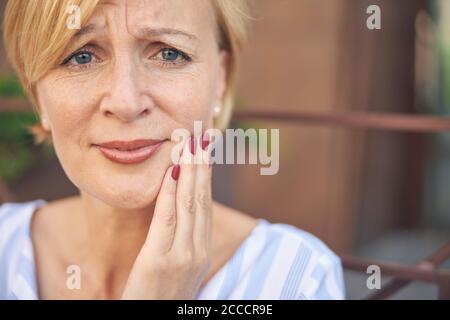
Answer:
(162, 228)
(203, 197)
(185, 204)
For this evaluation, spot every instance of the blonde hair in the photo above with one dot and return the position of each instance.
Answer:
(36, 35)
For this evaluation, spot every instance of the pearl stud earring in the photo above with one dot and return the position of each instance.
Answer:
(45, 124)
(217, 109)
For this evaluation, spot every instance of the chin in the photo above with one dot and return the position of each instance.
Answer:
(127, 193)
(132, 188)
(130, 198)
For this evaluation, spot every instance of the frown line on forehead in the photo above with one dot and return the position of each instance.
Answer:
(143, 32)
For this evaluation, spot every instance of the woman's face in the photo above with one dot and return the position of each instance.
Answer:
(138, 71)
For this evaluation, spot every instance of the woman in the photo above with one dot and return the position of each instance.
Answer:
(109, 93)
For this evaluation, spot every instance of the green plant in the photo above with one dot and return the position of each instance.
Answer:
(10, 86)
(17, 150)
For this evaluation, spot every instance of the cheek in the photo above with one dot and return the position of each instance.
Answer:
(69, 113)
(186, 98)
(68, 110)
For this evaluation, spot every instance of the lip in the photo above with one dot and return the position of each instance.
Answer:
(129, 152)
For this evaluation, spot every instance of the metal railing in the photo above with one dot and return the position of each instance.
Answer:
(426, 270)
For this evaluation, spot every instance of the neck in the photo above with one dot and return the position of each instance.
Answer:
(113, 237)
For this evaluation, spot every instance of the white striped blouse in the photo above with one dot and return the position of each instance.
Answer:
(276, 261)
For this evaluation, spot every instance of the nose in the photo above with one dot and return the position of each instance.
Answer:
(125, 99)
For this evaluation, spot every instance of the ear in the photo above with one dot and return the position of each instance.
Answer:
(43, 115)
(222, 77)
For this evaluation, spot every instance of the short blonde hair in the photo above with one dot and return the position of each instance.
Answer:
(35, 36)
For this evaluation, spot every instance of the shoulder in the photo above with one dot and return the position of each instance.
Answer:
(14, 231)
(308, 267)
(14, 216)
(280, 261)
(316, 268)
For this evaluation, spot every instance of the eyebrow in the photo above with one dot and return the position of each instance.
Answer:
(90, 28)
(146, 32)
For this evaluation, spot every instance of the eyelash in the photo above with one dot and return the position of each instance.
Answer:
(184, 56)
(67, 61)
(164, 63)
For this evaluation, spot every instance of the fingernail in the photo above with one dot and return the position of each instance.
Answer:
(205, 141)
(192, 145)
(176, 172)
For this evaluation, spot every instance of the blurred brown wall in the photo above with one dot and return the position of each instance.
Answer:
(291, 63)
(343, 185)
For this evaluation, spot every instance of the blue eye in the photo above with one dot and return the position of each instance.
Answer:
(83, 57)
(170, 54)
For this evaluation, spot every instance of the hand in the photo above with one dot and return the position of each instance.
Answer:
(175, 256)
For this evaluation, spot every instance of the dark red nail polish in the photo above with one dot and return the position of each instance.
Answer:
(193, 145)
(205, 141)
(176, 172)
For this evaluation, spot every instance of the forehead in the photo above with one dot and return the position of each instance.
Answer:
(195, 16)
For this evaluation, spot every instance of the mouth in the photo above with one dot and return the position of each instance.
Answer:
(129, 152)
